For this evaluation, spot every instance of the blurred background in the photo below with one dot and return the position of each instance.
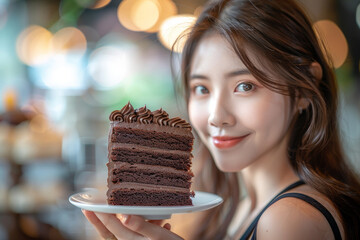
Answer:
(66, 64)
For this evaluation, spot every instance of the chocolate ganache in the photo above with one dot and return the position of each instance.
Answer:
(145, 116)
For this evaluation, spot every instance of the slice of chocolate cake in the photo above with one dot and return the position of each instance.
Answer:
(149, 158)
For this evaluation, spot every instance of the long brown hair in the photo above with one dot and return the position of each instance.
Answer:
(282, 36)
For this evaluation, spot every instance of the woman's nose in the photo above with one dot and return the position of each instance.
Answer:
(220, 114)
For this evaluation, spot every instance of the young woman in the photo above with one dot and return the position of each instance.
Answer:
(263, 99)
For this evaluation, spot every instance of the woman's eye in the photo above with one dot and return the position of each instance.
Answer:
(244, 87)
(200, 90)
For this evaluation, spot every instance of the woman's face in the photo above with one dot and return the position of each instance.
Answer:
(240, 121)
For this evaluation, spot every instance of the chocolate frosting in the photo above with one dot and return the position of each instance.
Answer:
(128, 113)
(178, 122)
(116, 116)
(127, 109)
(160, 117)
(130, 117)
(144, 116)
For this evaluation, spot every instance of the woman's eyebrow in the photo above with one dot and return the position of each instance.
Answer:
(197, 76)
(228, 75)
(238, 72)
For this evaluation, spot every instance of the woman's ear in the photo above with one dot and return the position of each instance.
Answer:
(316, 71)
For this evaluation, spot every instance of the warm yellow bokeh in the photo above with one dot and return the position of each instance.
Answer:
(10, 100)
(69, 39)
(100, 3)
(174, 30)
(167, 9)
(334, 40)
(92, 4)
(33, 45)
(144, 14)
(36, 45)
(138, 15)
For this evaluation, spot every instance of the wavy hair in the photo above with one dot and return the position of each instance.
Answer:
(283, 39)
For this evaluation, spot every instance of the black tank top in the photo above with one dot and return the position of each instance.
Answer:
(253, 226)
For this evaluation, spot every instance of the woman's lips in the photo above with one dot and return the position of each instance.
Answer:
(227, 142)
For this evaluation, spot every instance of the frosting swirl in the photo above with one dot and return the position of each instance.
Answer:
(178, 122)
(160, 117)
(128, 113)
(131, 117)
(144, 115)
(116, 116)
(127, 109)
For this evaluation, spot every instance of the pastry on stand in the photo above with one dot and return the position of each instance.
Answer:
(26, 137)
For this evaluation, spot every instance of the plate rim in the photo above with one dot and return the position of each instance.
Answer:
(147, 210)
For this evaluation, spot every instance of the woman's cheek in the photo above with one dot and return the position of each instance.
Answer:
(198, 115)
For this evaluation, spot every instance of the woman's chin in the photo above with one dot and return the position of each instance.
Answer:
(225, 167)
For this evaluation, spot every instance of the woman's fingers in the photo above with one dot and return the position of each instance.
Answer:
(148, 229)
(99, 226)
(116, 227)
(129, 227)
(157, 222)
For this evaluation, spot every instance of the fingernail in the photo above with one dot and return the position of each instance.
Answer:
(125, 218)
(167, 226)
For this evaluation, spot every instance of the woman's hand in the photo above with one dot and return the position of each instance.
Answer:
(129, 227)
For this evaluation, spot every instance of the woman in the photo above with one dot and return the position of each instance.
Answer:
(263, 99)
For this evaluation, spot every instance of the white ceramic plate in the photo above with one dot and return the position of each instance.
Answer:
(95, 200)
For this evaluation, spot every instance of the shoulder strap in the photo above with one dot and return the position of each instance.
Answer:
(252, 226)
(317, 205)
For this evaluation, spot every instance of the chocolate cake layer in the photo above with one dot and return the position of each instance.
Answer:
(153, 127)
(151, 139)
(135, 154)
(148, 198)
(140, 173)
(133, 194)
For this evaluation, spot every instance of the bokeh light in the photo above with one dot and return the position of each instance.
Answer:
(10, 99)
(123, 13)
(334, 40)
(167, 9)
(145, 14)
(100, 3)
(69, 39)
(33, 45)
(93, 4)
(138, 15)
(174, 29)
(110, 65)
(61, 72)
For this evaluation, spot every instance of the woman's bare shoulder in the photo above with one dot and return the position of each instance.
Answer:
(293, 218)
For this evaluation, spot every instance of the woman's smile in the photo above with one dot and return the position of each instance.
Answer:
(224, 142)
